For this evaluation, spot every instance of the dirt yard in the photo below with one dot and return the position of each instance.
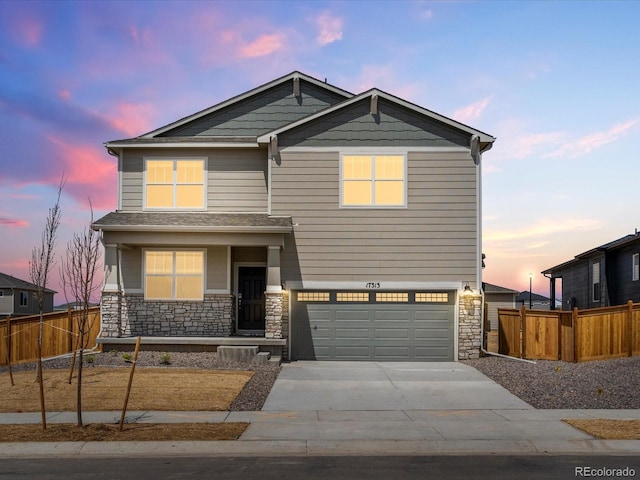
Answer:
(105, 389)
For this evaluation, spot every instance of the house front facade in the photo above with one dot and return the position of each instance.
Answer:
(604, 276)
(345, 226)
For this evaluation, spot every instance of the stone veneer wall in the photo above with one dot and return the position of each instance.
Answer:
(273, 315)
(285, 324)
(469, 327)
(131, 315)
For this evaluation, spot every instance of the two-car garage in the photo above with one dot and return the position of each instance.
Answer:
(373, 325)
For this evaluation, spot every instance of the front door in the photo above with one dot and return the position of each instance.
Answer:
(251, 287)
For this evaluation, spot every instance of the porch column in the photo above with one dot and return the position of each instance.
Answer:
(111, 306)
(273, 295)
(552, 288)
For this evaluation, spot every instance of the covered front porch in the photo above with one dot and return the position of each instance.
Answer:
(194, 286)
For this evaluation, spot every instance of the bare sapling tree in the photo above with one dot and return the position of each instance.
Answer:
(42, 260)
(77, 272)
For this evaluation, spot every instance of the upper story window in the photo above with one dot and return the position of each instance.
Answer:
(174, 184)
(635, 268)
(373, 181)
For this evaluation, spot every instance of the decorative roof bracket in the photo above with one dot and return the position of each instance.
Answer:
(296, 86)
(373, 110)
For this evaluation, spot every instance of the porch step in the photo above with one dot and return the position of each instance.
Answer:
(239, 353)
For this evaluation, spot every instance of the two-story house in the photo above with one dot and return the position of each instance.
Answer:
(339, 226)
(603, 276)
(18, 297)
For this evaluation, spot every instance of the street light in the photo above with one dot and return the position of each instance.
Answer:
(530, 280)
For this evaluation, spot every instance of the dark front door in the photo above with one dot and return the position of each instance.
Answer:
(251, 287)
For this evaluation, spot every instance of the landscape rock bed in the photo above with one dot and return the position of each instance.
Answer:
(605, 384)
(251, 398)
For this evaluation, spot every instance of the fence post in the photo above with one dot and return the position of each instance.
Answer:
(630, 328)
(8, 346)
(574, 327)
(558, 315)
(69, 329)
(523, 331)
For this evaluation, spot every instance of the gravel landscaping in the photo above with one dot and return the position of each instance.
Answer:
(251, 398)
(607, 384)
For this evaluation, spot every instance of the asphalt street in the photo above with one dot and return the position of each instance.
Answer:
(320, 468)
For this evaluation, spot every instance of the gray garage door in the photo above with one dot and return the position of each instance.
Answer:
(391, 326)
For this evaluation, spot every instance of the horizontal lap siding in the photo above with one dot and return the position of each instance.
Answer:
(434, 239)
(236, 178)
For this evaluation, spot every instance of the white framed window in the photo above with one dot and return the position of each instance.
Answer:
(174, 183)
(174, 275)
(635, 267)
(378, 181)
(24, 299)
(595, 279)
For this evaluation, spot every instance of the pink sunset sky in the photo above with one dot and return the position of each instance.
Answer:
(555, 82)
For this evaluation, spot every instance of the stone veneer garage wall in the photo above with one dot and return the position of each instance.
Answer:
(131, 315)
(469, 328)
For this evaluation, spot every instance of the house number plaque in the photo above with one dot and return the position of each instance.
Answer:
(372, 285)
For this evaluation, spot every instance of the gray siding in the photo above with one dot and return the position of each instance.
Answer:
(494, 302)
(216, 268)
(433, 239)
(237, 178)
(261, 113)
(355, 126)
(6, 302)
(132, 268)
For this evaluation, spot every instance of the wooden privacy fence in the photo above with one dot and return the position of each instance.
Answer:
(571, 336)
(60, 335)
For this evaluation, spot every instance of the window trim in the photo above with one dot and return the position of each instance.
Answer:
(173, 251)
(372, 155)
(635, 267)
(205, 171)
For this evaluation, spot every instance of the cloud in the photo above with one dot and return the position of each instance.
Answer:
(329, 29)
(262, 46)
(13, 223)
(29, 31)
(471, 112)
(132, 119)
(588, 143)
(88, 171)
(542, 228)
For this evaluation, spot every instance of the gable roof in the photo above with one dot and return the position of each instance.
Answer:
(524, 297)
(486, 140)
(490, 288)
(620, 242)
(9, 281)
(155, 135)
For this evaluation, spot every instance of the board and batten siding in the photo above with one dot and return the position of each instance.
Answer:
(434, 239)
(236, 178)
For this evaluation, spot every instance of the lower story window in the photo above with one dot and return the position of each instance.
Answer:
(24, 299)
(173, 275)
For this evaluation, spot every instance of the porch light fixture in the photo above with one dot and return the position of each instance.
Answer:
(467, 298)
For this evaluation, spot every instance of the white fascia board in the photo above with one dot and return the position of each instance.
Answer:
(183, 145)
(374, 150)
(185, 228)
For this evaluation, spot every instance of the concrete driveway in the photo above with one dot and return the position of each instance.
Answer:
(376, 386)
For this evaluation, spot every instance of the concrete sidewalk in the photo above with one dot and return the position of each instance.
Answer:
(311, 432)
(362, 408)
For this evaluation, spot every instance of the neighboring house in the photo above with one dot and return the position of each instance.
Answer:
(340, 226)
(18, 297)
(497, 297)
(604, 276)
(538, 302)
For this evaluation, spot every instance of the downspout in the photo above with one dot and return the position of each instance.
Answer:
(476, 154)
